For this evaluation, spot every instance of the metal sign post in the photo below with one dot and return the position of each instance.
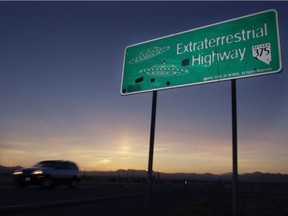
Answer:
(234, 149)
(151, 150)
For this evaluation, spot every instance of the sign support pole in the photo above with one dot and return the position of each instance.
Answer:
(234, 149)
(151, 150)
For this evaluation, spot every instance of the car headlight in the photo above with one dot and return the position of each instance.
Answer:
(18, 172)
(37, 172)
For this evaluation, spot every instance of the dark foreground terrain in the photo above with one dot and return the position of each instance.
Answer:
(169, 198)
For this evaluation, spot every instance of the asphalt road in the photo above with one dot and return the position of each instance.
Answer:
(168, 200)
(32, 195)
(61, 200)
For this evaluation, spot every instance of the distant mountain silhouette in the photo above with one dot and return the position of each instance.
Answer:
(120, 173)
(264, 177)
(247, 177)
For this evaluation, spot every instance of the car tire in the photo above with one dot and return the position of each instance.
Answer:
(21, 185)
(47, 183)
(73, 183)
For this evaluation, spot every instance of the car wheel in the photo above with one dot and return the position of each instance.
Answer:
(73, 183)
(20, 185)
(47, 183)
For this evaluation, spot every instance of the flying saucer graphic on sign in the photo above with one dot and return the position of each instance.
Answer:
(149, 53)
(163, 70)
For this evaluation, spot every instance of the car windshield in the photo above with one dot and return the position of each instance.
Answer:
(46, 164)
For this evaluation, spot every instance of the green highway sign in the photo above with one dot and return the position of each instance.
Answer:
(242, 47)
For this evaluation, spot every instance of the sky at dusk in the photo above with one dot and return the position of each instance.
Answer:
(60, 76)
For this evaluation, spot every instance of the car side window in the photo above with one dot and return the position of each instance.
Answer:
(66, 166)
(59, 165)
(73, 166)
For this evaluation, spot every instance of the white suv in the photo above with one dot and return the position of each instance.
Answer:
(48, 174)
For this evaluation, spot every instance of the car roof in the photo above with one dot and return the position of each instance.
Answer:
(66, 161)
